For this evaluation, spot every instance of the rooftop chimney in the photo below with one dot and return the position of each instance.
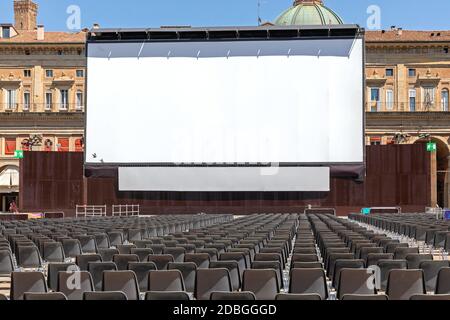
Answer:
(399, 31)
(40, 33)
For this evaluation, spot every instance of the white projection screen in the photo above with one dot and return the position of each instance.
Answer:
(293, 103)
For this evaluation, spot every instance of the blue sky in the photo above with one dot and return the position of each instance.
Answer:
(409, 14)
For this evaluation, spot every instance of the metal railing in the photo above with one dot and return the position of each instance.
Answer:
(126, 210)
(90, 211)
(41, 107)
(378, 106)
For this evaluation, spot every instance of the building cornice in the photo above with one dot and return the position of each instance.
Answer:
(41, 120)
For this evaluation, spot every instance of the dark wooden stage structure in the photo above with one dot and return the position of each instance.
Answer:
(397, 175)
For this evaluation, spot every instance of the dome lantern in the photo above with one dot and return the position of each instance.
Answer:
(308, 12)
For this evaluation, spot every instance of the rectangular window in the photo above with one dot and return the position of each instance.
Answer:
(26, 101)
(375, 141)
(428, 98)
(48, 101)
(6, 32)
(11, 99)
(27, 73)
(49, 73)
(80, 100)
(412, 100)
(10, 146)
(374, 99)
(412, 72)
(80, 73)
(389, 72)
(63, 145)
(64, 99)
(389, 99)
(444, 100)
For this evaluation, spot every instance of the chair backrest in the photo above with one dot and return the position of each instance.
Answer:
(157, 248)
(268, 257)
(82, 261)
(72, 248)
(443, 281)
(3, 297)
(177, 253)
(365, 297)
(415, 259)
(333, 257)
(385, 268)
(373, 258)
(356, 281)
(212, 252)
(402, 253)
(107, 254)
(161, 260)
(236, 256)
(88, 244)
(188, 271)
(53, 252)
(142, 270)
(305, 258)
(345, 264)
(212, 280)
(6, 262)
(429, 297)
(403, 284)
(431, 271)
(122, 260)
(29, 257)
(51, 296)
(165, 280)
(96, 270)
(52, 273)
(125, 248)
(200, 259)
(298, 297)
(306, 265)
(27, 282)
(308, 281)
(167, 296)
(124, 281)
(233, 296)
(233, 268)
(102, 241)
(142, 253)
(275, 265)
(263, 283)
(74, 284)
(392, 246)
(115, 238)
(105, 296)
(303, 250)
(365, 251)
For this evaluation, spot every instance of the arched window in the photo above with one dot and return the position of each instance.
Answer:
(444, 100)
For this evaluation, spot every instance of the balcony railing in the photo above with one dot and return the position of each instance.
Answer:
(40, 107)
(375, 106)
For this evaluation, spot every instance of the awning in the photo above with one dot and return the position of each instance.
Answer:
(9, 179)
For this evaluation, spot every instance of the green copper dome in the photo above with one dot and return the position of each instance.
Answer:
(308, 12)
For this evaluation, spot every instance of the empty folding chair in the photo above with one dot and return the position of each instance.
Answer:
(102, 241)
(386, 266)
(177, 253)
(142, 253)
(233, 268)
(6, 262)
(53, 252)
(306, 265)
(275, 265)
(157, 248)
(429, 297)
(402, 253)
(142, 270)
(142, 244)
(200, 259)
(356, 281)
(392, 246)
(134, 235)
(166, 280)
(115, 238)
(74, 284)
(82, 261)
(333, 257)
(239, 257)
(107, 254)
(166, 296)
(188, 271)
(365, 251)
(298, 297)
(28, 257)
(443, 281)
(233, 296)
(88, 244)
(72, 248)
(403, 284)
(414, 260)
(345, 264)
(365, 297)
(305, 258)
(309, 281)
(213, 253)
(122, 260)
(263, 283)
(27, 282)
(125, 248)
(431, 271)
(122, 281)
(52, 273)
(96, 269)
(305, 250)
(211, 280)
(161, 260)
(374, 258)
(105, 296)
(50, 296)
(269, 257)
